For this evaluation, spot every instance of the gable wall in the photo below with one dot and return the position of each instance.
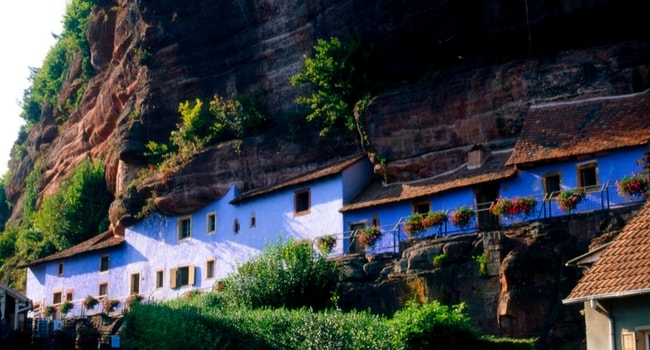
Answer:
(153, 243)
(81, 275)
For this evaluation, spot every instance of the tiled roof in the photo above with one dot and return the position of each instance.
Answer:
(377, 193)
(310, 176)
(567, 129)
(105, 240)
(624, 266)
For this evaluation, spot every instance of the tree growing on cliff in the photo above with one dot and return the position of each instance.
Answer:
(335, 84)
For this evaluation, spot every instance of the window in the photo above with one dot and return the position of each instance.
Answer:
(135, 283)
(103, 263)
(209, 269)
(184, 228)
(587, 175)
(552, 184)
(56, 298)
(211, 224)
(160, 275)
(60, 269)
(301, 202)
(235, 226)
(375, 220)
(253, 221)
(181, 276)
(421, 207)
(68, 295)
(103, 289)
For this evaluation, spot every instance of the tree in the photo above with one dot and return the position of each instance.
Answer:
(334, 84)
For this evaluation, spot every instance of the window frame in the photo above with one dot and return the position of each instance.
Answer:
(175, 276)
(181, 234)
(69, 295)
(134, 283)
(57, 297)
(581, 168)
(210, 268)
(60, 269)
(102, 258)
(253, 220)
(160, 279)
(211, 223)
(302, 202)
(416, 205)
(550, 193)
(102, 285)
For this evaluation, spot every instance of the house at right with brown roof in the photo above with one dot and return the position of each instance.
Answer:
(589, 144)
(615, 290)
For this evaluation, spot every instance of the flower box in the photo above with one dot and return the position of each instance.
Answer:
(518, 206)
(633, 186)
(326, 244)
(462, 217)
(568, 200)
(369, 236)
(417, 223)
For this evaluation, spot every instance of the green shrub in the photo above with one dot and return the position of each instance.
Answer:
(79, 210)
(439, 260)
(482, 264)
(286, 274)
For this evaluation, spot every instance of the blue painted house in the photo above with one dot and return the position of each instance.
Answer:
(162, 257)
(474, 185)
(588, 144)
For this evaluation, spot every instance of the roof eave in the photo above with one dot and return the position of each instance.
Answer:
(623, 294)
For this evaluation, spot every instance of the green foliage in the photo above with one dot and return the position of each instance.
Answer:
(5, 209)
(439, 260)
(79, 210)
(46, 82)
(434, 326)
(202, 321)
(31, 194)
(203, 124)
(284, 275)
(335, 89)
(482, 264)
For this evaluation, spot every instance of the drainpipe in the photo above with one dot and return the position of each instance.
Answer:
(610, 320)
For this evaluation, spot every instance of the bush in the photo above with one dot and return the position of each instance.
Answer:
(284, 275)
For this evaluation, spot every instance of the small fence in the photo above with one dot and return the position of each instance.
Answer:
(602, 198)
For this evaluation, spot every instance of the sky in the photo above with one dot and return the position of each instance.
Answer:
(26, 28)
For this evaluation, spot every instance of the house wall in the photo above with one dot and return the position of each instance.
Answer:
(392, 216)
(153, 243)
(611, 167)
(629, 314)
(81, 276)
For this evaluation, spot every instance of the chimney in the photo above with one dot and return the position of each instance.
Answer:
(476, 156)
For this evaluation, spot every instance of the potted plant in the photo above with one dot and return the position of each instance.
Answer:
(90, 302)
(633, 186)
(368, 236)
(518, 206)
(326, 244)
(109, 305)
(413, 224)
(569, 199)
(49, 311)
(462, 217)
(419, 222)
(66, 307)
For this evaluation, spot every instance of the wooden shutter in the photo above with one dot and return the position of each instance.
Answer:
(628, 341)
(190, 275)
(172, 278)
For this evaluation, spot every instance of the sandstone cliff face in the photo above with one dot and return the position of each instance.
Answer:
(456, 73)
